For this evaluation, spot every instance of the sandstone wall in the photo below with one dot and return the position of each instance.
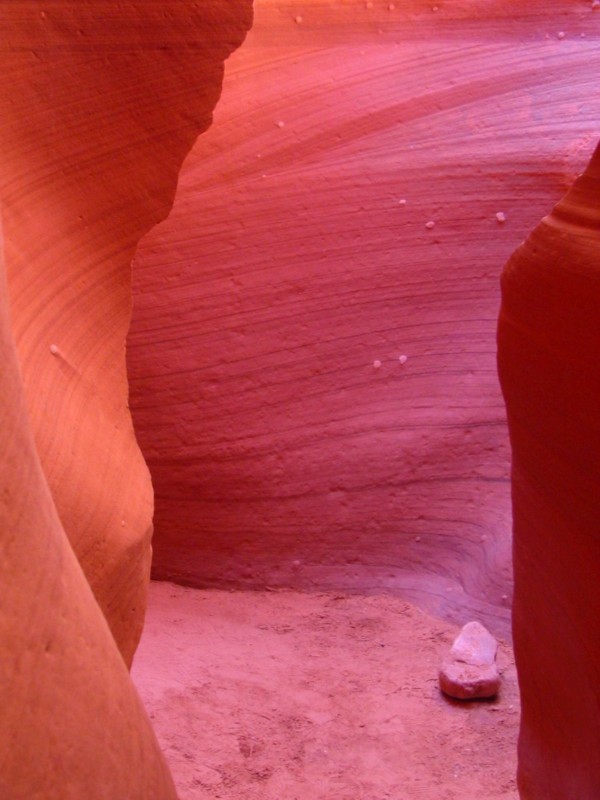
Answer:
(72, 724)
(281, 453)
(100, 103)
(549, 357)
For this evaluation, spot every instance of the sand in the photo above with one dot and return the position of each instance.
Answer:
(292, 696)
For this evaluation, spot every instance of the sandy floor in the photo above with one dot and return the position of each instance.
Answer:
(288, 696)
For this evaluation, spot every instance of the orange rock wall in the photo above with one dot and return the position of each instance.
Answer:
(100, 102)
(72, 724)
(288, 444)
(549, 356)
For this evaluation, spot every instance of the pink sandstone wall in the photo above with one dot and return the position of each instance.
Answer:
(100, 103)
(549, 359)
(287, 443)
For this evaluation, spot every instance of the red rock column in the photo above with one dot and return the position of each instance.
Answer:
(549, 362)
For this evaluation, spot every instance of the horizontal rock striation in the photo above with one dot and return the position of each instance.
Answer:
(312, 363)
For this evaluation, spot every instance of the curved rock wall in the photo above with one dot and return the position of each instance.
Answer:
(100, 104)
(72, 724)
(549, 356)
(288, 443)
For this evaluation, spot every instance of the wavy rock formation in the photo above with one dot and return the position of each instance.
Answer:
(100, 104)
(72, 724)
(288, 442)
(549, 356)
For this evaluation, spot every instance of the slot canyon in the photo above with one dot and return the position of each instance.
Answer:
(300, 347)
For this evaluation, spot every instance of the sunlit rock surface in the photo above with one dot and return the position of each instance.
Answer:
(100, 103)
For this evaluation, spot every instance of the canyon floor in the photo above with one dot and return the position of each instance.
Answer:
(292, 696)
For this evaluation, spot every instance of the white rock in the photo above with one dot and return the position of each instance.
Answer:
(470, 670)
(474, 645)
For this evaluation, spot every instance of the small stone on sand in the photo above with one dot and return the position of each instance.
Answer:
(470, 671)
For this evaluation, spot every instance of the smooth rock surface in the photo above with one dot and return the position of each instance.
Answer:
(549, 357)
(100, 102)
(99, 105)
(72, 724)
(465, 682)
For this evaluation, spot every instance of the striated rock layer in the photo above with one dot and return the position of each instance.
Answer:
(72, 724)
(99, 105)
(549, 356)
(288, 443)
